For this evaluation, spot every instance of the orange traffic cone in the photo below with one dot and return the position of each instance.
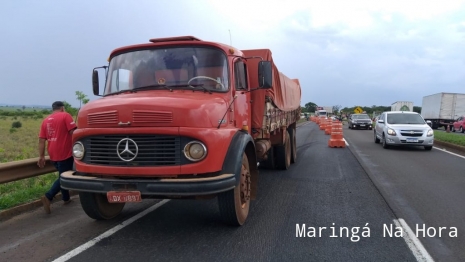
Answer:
(323, 124)
(328, 128)
(337, 139)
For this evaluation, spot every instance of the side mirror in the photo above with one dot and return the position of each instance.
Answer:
(380, 121)
(428, 122)
(95, 86)
(264, 74)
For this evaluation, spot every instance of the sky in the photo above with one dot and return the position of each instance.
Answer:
(347, 53)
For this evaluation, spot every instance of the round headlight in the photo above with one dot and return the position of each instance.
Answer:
(78, 150)
(195, 151)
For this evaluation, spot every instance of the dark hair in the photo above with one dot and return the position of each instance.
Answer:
(57, 105)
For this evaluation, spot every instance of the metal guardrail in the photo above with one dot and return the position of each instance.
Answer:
(17, 170)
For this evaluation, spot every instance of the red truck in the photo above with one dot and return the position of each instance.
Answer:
(183, 118)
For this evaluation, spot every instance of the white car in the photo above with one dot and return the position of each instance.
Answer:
(401, 128)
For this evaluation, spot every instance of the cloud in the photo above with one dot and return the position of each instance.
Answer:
(343, 52)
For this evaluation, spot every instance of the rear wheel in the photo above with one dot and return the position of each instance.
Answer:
(97, 206)
(292, 133)
(234, 204)
(283, 154)
(270, 162)
(452, 129)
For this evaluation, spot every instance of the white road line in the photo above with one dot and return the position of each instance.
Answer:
(413, 242)
(443, 150)
(109, 232)
(347, 144)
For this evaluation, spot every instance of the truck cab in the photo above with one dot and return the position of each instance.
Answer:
(172, 123)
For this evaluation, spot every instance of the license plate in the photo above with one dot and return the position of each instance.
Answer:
(412, 140)
(362, 125)
(123, 196)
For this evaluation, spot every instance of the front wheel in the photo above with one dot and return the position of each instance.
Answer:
(461, 130)
(376, 138)
(428, 148)
(385, 145)
(234, 204)
(97, 206)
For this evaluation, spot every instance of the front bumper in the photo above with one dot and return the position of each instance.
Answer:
(71, 180)
(403, 140)
(362, 125)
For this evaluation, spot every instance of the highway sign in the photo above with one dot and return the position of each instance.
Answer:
(358, 110)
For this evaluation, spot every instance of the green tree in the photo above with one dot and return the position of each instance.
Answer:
(73, 111)
(336, 109)
(82, 98)
(310, 106)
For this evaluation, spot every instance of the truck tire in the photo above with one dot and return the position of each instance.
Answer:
(97, 206)
(234, 204)
(292, 134)
(283, 154)
(270, 162)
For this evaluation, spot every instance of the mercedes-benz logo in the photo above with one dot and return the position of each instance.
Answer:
(127, 149)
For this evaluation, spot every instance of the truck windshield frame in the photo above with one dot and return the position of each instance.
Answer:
(176, 67)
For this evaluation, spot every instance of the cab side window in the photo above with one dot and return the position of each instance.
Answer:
(240, 74)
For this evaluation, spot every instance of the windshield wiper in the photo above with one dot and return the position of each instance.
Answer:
(151, 87)
(193, 86)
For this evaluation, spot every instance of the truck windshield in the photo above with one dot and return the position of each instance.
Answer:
(198, 68)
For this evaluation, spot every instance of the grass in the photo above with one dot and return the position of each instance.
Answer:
(25, 191)
(452, 138)
(18, 145)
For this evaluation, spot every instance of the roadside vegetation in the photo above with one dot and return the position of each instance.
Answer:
(19, 131)
(452, 138)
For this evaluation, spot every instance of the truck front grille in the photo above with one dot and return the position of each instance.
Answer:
(132, 150)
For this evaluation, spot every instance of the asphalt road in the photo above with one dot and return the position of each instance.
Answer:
(422, 187)
(327, 187)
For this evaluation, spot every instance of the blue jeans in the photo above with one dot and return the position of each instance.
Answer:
(61, 166)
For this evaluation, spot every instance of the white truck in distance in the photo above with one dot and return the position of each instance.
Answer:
(442, 109)
(402, 106)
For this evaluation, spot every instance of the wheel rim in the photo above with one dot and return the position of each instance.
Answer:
(245, 185)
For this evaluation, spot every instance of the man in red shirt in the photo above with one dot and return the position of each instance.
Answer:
(57, 130)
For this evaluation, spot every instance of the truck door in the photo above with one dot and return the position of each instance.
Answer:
(241, 104)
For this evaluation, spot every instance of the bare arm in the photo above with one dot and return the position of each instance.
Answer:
(41, 162)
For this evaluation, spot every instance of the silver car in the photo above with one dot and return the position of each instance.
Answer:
(400, 128)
